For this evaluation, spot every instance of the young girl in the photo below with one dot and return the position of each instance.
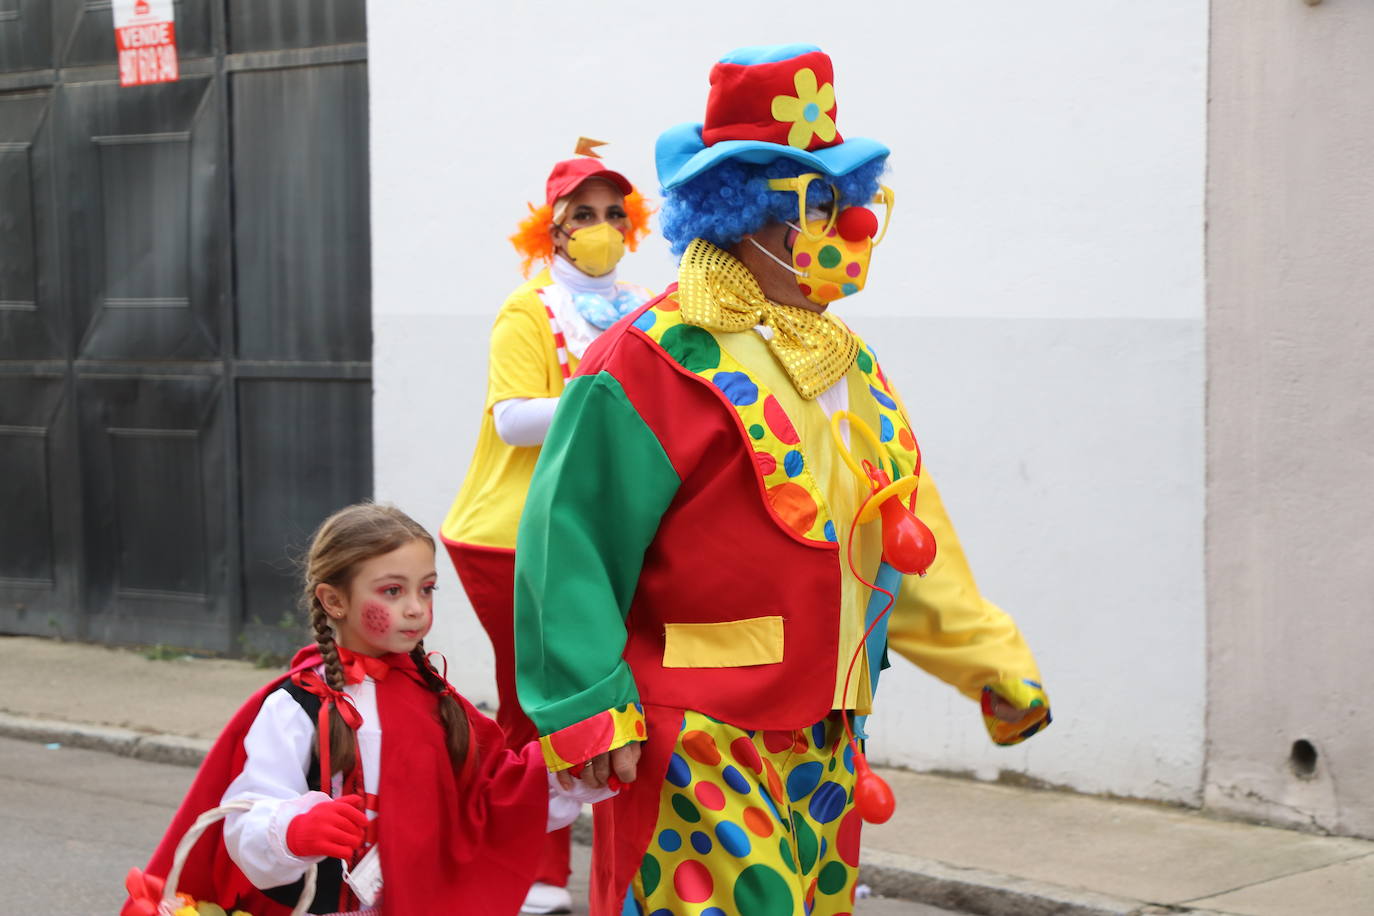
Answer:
(418, 776)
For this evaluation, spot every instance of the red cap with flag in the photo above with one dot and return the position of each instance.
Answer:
(570, 173)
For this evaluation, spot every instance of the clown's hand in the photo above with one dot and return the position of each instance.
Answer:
(612, 769)
(1014, 709)
(1005, 711)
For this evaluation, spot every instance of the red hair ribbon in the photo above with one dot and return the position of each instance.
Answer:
(337, 699)
(443, 674)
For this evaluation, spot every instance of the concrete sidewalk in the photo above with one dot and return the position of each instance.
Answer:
(954, 843)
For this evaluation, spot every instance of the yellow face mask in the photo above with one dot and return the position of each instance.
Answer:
(595, 250)
(827, 264)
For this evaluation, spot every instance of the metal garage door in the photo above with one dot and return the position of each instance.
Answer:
(185, 343)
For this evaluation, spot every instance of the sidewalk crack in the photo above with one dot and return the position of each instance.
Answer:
(1301, 871)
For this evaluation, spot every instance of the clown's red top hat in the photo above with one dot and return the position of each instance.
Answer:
(766, 103)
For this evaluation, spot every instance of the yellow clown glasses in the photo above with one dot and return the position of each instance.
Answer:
(802, 183)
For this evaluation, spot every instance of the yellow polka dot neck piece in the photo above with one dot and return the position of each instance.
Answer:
(717, 292)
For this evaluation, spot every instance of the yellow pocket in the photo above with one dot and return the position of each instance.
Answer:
(730, 644)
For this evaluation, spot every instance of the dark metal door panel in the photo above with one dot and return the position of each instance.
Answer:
(301, 205)
(85, 30)
(167, 438)
(28, 409)
(271, 25)
(30, 326)
(38, 562)
(299, 460)
(143, 219)
(153, 472)
(25, 34)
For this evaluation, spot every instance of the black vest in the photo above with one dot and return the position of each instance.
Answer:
(329, 873)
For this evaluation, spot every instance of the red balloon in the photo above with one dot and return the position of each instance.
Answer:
(872, 795)
(907, 543)
(857, 223)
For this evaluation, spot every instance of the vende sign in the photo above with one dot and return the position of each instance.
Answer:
(146, 37)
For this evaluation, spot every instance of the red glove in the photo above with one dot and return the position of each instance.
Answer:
(333, 828)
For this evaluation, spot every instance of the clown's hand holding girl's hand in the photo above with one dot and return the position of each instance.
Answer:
(620, 765)
(334, 828)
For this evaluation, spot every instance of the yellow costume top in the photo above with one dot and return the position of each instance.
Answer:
(523, 363)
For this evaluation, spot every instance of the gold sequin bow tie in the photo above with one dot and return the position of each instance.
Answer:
(717, 292)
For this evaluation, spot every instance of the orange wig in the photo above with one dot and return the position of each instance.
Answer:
(533, 238)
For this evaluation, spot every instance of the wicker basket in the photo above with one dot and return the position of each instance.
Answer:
(170, 903)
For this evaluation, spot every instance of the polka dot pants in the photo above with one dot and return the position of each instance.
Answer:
(753, 824)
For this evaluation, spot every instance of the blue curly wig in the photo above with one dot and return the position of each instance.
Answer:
(728, 201)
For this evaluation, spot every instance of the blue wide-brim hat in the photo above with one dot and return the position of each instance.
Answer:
(766, 103)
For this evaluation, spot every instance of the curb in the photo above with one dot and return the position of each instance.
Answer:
(125, 742)
(973, 890)
(988, 893)
(888, 874)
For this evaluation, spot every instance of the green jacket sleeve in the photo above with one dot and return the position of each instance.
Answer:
(602, 483)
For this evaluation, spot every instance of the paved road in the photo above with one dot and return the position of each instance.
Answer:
(72, 822)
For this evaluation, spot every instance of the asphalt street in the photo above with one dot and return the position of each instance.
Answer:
(74, 821)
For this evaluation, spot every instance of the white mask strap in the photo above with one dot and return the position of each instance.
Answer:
(780, 262)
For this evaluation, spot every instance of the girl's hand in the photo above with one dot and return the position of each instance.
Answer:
(333, 828)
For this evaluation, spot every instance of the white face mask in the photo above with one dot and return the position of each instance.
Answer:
(774, 258)
(813, 214)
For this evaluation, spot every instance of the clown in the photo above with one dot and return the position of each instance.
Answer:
(694, 614)
(590, 216)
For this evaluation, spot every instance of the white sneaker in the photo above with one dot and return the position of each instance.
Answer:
(546, 898)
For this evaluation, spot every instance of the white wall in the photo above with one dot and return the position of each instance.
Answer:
(1039, 300)
(1290, 403)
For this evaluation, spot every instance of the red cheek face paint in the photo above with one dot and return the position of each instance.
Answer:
(376, 619)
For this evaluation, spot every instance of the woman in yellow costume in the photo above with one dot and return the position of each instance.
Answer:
(591, 215)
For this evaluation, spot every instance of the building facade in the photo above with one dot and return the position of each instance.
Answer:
(1290, 393)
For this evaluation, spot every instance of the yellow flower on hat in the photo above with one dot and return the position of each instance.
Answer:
(807, 110)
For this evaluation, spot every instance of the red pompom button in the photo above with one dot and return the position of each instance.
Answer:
(857, 223)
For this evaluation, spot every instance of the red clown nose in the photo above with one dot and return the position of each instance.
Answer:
(857, 223)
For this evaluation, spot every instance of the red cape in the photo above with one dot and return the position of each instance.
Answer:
(446, 848)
